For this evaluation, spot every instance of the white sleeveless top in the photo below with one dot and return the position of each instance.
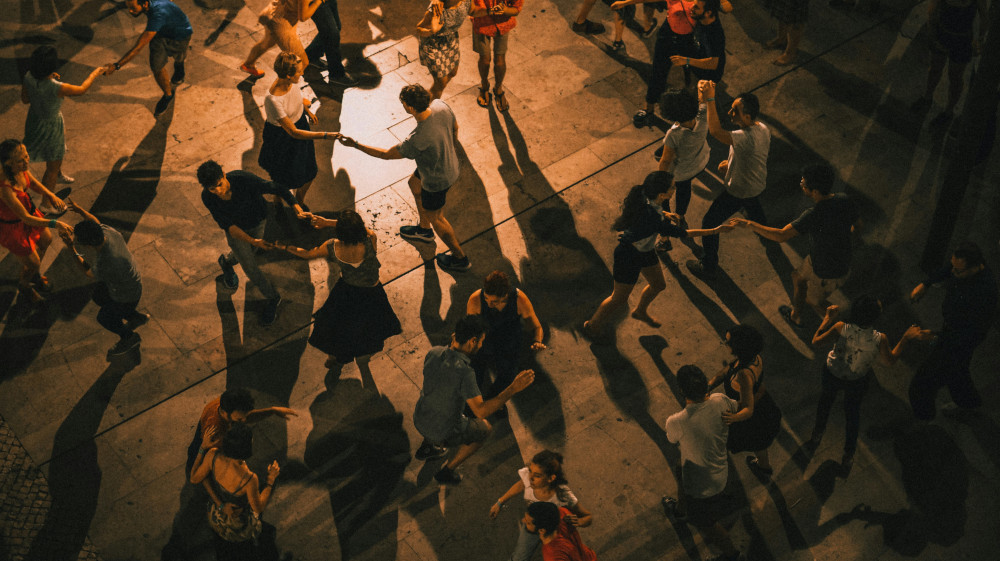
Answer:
(854, 353)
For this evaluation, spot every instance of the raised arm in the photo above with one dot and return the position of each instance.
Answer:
(890, 357)
(746, 406)
(314, 253)
(380, 153)
(779, 235)
(69, 90)
(829, 327)
(706, 95)
(258, 496)
(482, 409)
(140, 43)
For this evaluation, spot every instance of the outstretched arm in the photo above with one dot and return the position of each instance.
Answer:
(140, 43)
(380, 153)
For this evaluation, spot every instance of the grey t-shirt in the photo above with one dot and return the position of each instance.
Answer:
(747, 175)
(113, 265)
(690, 146)
(701, 434)
(449, 381)
(432, 145)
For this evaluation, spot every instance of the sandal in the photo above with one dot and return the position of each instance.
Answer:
(786, 312)
(501, 97)
(485, 97)
(253, 71)
(670, 508)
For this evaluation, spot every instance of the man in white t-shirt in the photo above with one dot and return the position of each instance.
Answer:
(701, 433)
(745, 170)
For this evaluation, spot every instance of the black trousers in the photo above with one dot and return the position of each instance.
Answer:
(327, 40)
(113, 314)
(854, 392)
(667, 44)
(724, 206)
(947, 365)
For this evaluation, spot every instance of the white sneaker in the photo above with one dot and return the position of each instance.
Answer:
(63, 178)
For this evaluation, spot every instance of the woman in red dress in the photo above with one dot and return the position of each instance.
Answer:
(23, 230)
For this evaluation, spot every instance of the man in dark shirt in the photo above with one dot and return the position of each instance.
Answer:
(968, 310)
(710, 42)
(168, 34)
(236, 202)
(829, 224)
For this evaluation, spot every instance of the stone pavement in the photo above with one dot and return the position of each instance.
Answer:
(539, 188)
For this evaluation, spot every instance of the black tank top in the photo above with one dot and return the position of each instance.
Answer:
(503, 323)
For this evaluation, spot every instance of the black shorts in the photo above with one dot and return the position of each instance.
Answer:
(431, 200)
(706, 512)
(629, 261)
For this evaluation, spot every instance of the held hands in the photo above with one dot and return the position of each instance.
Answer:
(572, 520)
(619, 5)
(916, 332)
(706, 89)
(678, 60)
(109, 69)
(320, 222)
(523, 380)
(437, 9)
(57, 203)
(672, 216)
(918, 293)
(272, 472)
(724, 167)
(262, 244)
(348, 141)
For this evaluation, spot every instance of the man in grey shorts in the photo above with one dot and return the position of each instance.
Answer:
(168, 34)
(449, 386)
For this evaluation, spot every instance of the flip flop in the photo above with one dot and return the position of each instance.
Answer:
(786, 312)
(501, 98)
(485, 97)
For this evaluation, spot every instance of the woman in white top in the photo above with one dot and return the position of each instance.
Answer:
(286, 150)
(542, 480)
(849, 363)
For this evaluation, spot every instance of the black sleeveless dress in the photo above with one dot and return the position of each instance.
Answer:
(759, 431)
(502, 347)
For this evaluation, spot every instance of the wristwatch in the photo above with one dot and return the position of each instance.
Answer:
(118, 66)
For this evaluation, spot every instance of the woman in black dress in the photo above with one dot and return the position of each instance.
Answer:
(357, 318)
(757, 422)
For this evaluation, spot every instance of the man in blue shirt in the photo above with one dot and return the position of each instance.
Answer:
(168, 34)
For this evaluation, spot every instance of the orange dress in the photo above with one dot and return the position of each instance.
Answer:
(18, 237)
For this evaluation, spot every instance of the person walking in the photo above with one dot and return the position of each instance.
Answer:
(449, 386)
(542, 480)
(684, 152)
(287, 152)
(326, 43)
(168, 34)
(432, 146)
(757, 421)
(23, 230)
(792, 16)
(238, 499)
(502, 309)
(236, 202)
(968, 311)
(848, 366)
(830, 224)
(701, 433)
(44, 132)
(104, 255)
(745, 171)
(437, 33)
(492, 22)
(356, 318)
(640, 223)
(279, 19)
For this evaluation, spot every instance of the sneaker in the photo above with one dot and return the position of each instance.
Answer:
(63, 178)
(125, 345)
(588, 27)
(652, 28)
(270, 312)
(318, 63)
(664, 245)
(162, 105)
(449, 262)
(618, 47)
(344, 81)
(416, 233)
(699, 270)
(253, 71)
(138, 321)
(178, 77)
(429, 452)
(670, 509)
(640, 119)
(229, 277)
(448, 476)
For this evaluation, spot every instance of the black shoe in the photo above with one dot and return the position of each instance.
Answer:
(449, 262)
(670, 509)
(664, 245)
(652, 28)
(125, 345)
(178, 77)
(640, 119)
(617, 47)
(317, 62)
(588, 27)
(416, 233)
(138, 320)
(229, 277)
(699, 270)
(270, 312)
(162, 105)
(429, 452)
(448, 476)
(658, 153)
(344, 81)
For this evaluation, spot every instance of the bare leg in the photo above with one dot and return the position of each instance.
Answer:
(464, 452)
(444, 231)
(618, 299)
(300, 193)
(415, 188)
(261, 47)
(799, 290)
(163, 80)
(440, 82)
(792, 48)
(620, 26)
(499, 71)
(51, 175)
(780, 38)
(30, 265)
(585, 8)
(653, 276)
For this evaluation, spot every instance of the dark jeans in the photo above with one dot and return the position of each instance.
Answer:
(327, 40)
(947, 365)
(503, 357)
(724, 206)
(854, 392)
(113, 314)
(683, 197)
(667, 44)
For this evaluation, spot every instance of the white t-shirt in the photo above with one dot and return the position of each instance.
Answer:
(563, 496)
(854, 353)
(288, 105)
(702, 434)
(747, 175)
(690, 146)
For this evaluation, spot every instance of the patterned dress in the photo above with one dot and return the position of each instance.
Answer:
(439, 52)
(44, 136)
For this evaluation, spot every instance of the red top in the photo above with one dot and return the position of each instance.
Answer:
(678, 17)
(15, 235)
(494, 25)
(567, 546)
(211, 418)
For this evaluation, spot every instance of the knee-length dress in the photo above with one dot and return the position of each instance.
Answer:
(439, 52)
(759, 431)
(356, 318)
(790, 11)
(44, 134)
(20, 238)
(290, 161)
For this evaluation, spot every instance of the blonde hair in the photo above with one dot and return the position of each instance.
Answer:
(286, 64)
